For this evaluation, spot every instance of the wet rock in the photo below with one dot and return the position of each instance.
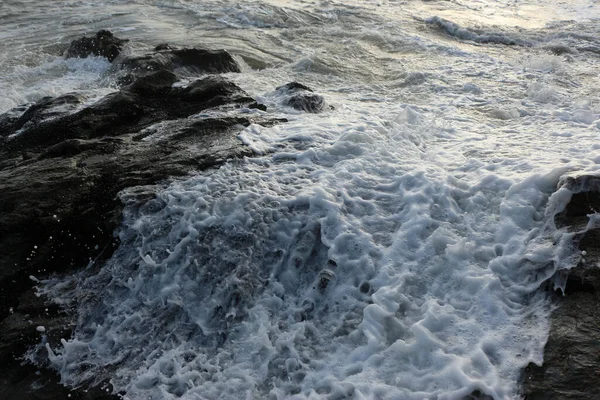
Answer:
(585, 199)
(147, 101)
(62, 198)
(159, 82)
(183, 62)
(294, 86)
(45, 108)
(478, 395)
(163, 46)
(559, 49)
(61, 169)
(66, 148)
(301, 97)
(214, 90)
(203, 60)
(571, 368)
(20, 330)
(103, 44)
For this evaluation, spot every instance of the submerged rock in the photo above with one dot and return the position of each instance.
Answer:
(163, 46)
(62, 166)
(103, 44)
(571, 356)
(301, 97)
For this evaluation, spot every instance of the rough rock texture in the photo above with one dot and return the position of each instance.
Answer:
(571, 368)
(301, 97)
(61, 169)
(103, 44)
(47, 107)
(182, 61)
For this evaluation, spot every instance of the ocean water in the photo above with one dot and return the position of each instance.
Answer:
(391, 247)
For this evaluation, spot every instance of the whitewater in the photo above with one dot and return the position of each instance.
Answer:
(390, 247)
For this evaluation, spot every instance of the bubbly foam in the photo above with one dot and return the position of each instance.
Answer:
(339, 265)
(390, 247)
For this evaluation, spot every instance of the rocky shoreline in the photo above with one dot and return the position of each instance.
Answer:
(63, 164)
(571, 368)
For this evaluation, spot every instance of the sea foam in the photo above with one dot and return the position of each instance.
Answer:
(391, 247)
(339, 267)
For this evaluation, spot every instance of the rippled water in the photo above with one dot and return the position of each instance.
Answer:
(388, 248)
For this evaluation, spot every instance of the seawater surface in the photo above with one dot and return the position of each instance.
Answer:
(391, 247)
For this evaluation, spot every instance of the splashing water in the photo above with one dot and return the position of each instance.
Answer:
(391, 248)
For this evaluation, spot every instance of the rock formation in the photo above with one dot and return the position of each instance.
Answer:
(62, 165)
(103, 44)
(571, 370)
(301, 97)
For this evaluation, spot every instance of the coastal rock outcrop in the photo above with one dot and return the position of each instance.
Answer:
(186, 61)
(571, 357)
(189, 61)
(301, 97)
(63, 163)
(103, 44)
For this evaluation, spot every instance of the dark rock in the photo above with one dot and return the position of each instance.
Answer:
(60, 175)
(133, 67)
(164, 46)
(585, 199)
(149, 100)
(258, 106)
(103, 44)
(19, 332)
(571, 368)
(478, 395)
(301, 97)
(45, 108)
(154, 84)
(215, 90)
(180, 61)
(67, 148)
(8, 120)
(293, 86)
(204, 61)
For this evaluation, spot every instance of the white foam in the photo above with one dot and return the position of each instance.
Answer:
(392, 247)
(319, 271)
(544, 63)
(54, 77)
(542, 93)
